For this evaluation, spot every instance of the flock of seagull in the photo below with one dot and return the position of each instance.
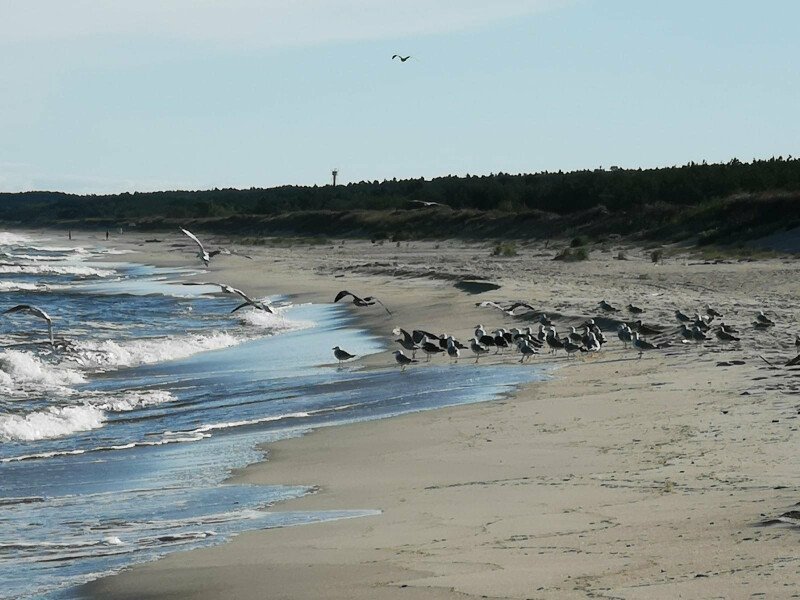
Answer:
(586, 339)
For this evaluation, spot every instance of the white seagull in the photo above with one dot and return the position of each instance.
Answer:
(248, 301)
(36, 312)
(204, 254)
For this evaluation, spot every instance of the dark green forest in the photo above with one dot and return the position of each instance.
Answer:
(719, 203)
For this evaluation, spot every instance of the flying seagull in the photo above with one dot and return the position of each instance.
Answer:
(341, 355)
(248, 301)
(36, 312)
(402, 58)
(427, 203)
(365, 301)
(204, 254)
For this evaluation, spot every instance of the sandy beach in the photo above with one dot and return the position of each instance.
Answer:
(617, 478)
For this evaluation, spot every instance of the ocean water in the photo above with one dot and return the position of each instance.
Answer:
(115, 445)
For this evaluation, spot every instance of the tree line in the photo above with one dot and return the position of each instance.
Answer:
(561, 194)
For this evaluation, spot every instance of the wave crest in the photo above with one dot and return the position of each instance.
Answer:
(50, 423)
(75, 270)
(23, 369)
(110, 354)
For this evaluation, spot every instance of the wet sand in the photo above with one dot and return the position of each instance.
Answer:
(619, 478)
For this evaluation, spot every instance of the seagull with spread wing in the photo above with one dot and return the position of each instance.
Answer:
(427, 204)
(206, 255)
(248, 301)
(36, 312)
(402, 58)
(358, 301)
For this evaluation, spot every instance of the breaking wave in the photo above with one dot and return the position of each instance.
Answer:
(59, 421)
(50, 423)
(110, 354)
(22, 369)
(77, 271)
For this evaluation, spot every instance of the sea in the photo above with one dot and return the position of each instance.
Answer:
(115, 445)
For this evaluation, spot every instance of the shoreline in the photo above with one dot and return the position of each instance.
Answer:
(625, 478)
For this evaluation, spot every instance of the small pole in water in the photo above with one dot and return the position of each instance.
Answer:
(70, 234)
(106, 233)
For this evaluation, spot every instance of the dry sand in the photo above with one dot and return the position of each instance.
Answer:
(619, 478)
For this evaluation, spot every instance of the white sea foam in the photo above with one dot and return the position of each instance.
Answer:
(50, 423)
(9, 239)
(78, 271)
(19, 286)
(133, 399)
(24, 369)
(113, 540)
(57, 421)
(114, 251)
(74, 249)
(276, 323)
(33, 257)
(204, 429)
(110, 354)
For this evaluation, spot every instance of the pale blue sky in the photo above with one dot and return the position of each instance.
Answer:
(118, 96)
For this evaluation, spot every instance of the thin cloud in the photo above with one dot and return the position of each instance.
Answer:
(262, 23)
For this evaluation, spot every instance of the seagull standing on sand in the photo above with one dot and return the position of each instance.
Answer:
(624, 334)
(452, 350)
(406, 341)
(341, 355)
(431, 348)
(526, 350)
(477, 349)
(607, 307)
(642, 345)
(365, 301)
(36, 312)
(763, 320)
(724, 336)
(402, 359)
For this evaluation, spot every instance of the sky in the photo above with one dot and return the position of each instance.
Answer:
(113, 96)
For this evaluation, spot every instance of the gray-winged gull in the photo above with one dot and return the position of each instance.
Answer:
(36, 312)
(342, 355)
